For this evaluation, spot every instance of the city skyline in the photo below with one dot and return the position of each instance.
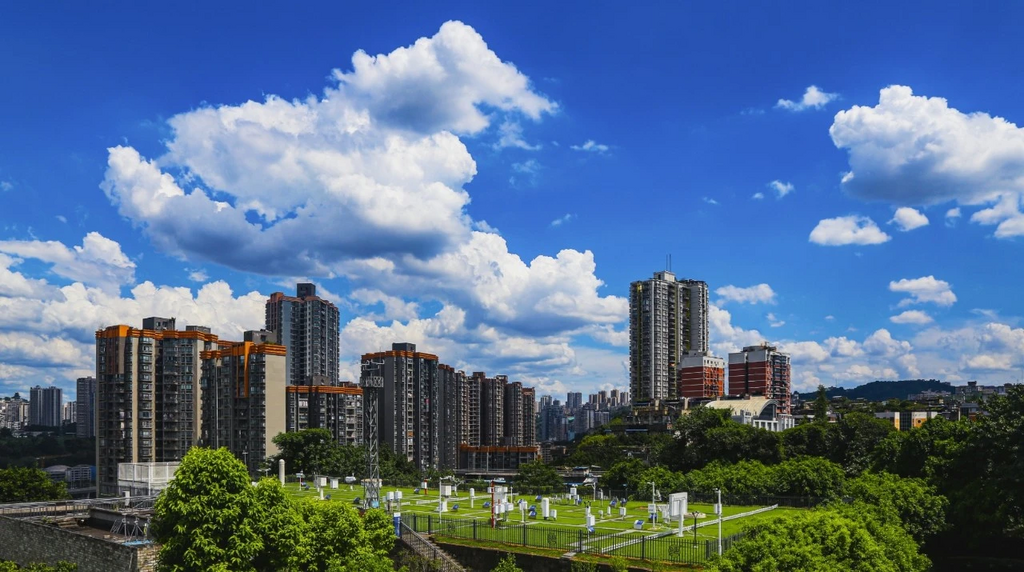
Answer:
(467, 181)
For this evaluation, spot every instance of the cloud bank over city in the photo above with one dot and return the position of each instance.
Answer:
(379, 185)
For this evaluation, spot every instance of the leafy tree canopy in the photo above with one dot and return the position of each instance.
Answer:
(19, 484)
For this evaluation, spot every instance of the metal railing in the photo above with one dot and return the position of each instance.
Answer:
(664, 546)
(70, 507)
(426, 549)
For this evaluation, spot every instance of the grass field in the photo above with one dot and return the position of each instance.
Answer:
(571, 517)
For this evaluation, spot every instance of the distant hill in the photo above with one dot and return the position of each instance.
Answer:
(885, 390)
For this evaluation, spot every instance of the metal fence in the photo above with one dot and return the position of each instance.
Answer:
(69, 507)
(663, 546)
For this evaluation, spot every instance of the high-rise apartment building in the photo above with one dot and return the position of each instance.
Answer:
(668, 319)
(45, 405)
(453, 415)
(243, 398)
(408, 418)
(761, 370)
(85, 407)
(529, 416)
(492, 408)
(573, 400)
(319, 405)
(702, 377)
(148, 401)
(307, 326)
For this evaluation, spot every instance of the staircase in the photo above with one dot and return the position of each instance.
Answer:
(423, 547)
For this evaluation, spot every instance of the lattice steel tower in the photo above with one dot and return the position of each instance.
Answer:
(372, 383)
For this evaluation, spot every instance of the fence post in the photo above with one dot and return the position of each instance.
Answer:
(524, 535)
(643, 548)
(580, 548)
(428, 523)
(474, 529)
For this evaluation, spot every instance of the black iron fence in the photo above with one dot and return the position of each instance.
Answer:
(663, 546)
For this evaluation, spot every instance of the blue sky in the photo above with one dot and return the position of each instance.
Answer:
(485, 180)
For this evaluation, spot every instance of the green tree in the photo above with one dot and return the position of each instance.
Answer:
(205, 517)
(507, 564)
(665, 481)
(819, 540)
(616, 478)
(821, 406)
(28, 485)
(707, 435)
(910, 501)
(538, 478)
(310, 451)
(278, 525)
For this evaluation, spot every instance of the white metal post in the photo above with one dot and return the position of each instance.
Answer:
(720, 511)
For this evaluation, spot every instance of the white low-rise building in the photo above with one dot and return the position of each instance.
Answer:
(759, 412)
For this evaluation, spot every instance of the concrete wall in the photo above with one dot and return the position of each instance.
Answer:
(26, 542)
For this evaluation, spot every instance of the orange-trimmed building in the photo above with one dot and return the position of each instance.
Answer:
(243, 405)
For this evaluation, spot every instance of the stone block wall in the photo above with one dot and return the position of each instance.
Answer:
(25, 542)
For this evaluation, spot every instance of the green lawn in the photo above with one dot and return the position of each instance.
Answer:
(570, 523)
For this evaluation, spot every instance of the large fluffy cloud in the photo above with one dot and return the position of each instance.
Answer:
(365, 182)
(916, 150)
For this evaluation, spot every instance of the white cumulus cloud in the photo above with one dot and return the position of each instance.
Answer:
(844, 230)
(99, 261)
(813, 98)
(757, 294)
(916, 150)
(926, 289)
(907, 219)
(911, 317)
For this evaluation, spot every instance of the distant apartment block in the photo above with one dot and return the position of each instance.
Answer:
(761, 370)
(320, 405)
(69, 413)
(701, 377)
(148, 401)
(243, 396)
(668, 319)
(85, 407)
(45, 406)
(307, 326)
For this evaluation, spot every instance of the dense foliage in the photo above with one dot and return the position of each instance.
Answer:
(6, 566)
(212, 518)
(841, 538)
(507, 564)
(19, 484)
(314, 451)
(538, 478)
(45, 450)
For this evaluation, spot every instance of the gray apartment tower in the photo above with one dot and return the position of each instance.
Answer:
(85, 406)
(45, 406)
(307, 326)
(668, 320)
(408, 413)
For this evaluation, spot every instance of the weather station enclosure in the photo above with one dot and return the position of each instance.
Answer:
(144, 479)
